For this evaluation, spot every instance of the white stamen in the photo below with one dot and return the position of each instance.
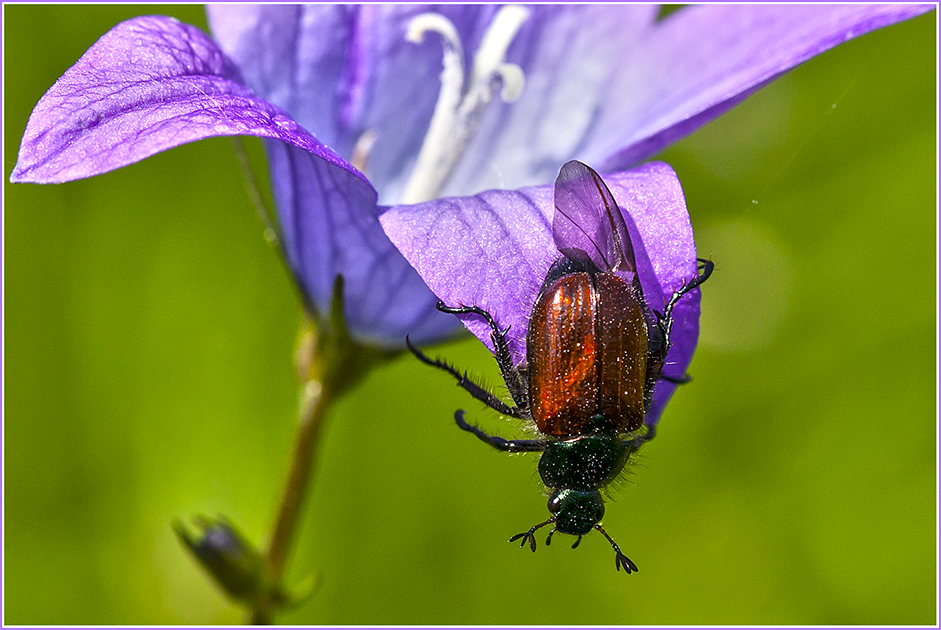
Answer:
(513, 81)
(495, 42)
(460, 107)
(362, 149)
(424, 22)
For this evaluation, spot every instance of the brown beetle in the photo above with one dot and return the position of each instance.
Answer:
(595, 351)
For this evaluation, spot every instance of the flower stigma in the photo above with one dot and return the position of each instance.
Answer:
(461, 103)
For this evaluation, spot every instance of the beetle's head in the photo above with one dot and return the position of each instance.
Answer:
(576, 512)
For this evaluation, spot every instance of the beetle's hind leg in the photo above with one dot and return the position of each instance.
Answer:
(499, 443)
(464, 381)
(707, 268)
(514, 379)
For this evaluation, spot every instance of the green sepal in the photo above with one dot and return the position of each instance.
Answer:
(326, 353)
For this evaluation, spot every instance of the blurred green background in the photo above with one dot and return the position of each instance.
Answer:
(148, 354)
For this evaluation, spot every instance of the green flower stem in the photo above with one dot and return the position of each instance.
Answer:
(314, 404)
(329, 364)
(314, 407)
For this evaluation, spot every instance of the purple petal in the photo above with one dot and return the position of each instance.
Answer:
(149, 84)
(703, 60)
(625, 86)
(328, 227)
(344, 70)
(622, 87)
(493, 250)
(299, 57)
(153, 83)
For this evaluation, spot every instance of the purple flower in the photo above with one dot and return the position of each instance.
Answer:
(428, 102)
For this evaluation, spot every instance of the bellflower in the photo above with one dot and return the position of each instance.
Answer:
(372, 113)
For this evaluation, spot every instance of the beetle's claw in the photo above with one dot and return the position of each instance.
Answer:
(530, 536)
(621, 560)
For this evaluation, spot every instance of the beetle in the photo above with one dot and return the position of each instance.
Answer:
(595, 351)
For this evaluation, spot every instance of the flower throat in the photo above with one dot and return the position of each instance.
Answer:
(462, 100)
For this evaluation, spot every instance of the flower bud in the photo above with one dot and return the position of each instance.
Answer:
(222, 551)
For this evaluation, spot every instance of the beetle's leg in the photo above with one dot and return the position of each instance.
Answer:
(514, 380)
(635, 444)
(549, 537)
(475, 390)
(620, 560)
(659, 328)
(660, 335)
(664, 327)
(665, 321)
(499, 443)
(531, 535)
(654, 366)
(707, 267)
(676, 380)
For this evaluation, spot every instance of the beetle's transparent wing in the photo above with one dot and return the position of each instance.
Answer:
(587, 224)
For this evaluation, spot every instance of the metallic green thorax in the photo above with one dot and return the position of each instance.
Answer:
(585, 463)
